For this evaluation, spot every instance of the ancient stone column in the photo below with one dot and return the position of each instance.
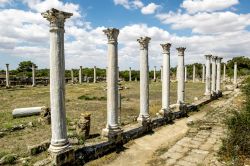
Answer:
(208, 75)
(214, 58)
(130, 76)
(7, 76)
(33, 75)
(144, 80)
(72, 76)
(218, 78)
(59, 139)
(161, 71)
(154, 73)
(185, 73)
(118, 74)
(180, 75)
(193, 73)
(165, 78)
(80, 75)
(224, 72)
(112, 127)
(235, 75)
(94, 74)
(203, 73)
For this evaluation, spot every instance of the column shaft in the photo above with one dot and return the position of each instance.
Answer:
(7, 76)
(72, 76)
(144, 80)
(208, 75)
(203, 73)
(165, 78)
(180, 75)
(33, 75)
(130, 77)
(94, 74)
(80, 75)
(214, 74)
(235, 74)
(218, 78)
(185, 73)
(59, 139)
(193, 73)
(224, 72)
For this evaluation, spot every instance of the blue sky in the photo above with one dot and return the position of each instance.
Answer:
(218, 27)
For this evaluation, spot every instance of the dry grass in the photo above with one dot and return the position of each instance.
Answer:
(17, 142)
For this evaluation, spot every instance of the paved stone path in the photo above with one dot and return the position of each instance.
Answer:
(179, 144)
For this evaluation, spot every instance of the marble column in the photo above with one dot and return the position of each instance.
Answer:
(165, 78)
(94, 80)
(214, 58)
(72, 76)
(144, 80)
(161, 71)
(218, 76)
(180, 75)
(194, 73)
(33, 75)
(118, 74)
(80, 75)
(185, 73)
(203, 73)
(7, 76)
(130, 75)
(154, 73)
(208, 75)
(235, 75)
(59, 139)
(224, 72)
(112, 127)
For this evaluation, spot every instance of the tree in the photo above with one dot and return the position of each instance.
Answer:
(25, 66)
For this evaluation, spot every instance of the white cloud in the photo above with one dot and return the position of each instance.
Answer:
(206, 23)
(193, 6)
(150, 8)
(129, 4)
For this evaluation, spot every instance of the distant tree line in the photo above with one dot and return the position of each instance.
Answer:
(25, 70)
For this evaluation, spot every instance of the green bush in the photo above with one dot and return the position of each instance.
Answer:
(236, 145)
(85, 97)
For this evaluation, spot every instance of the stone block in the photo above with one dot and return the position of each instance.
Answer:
(36, 149)
(83, 126)
(66, 157)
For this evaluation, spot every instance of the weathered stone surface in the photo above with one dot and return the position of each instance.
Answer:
(66, 157)
(23, 112)
(45, 116)
(83, 126)
(8, 159)
(44, 162)
(36, 149)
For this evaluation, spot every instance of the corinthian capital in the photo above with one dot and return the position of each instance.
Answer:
(56, 17)
(181, 50)
(143, 41)
(166, 47)
(112, 34)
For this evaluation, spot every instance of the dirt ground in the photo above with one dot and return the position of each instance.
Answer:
(17, 142)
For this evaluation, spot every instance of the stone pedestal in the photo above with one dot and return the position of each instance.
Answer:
(144, 81)
(208, 75)
(80, 75)
(165, 79)
(130, 75)
(235, 75)
(214, 58)
(218, 78)
(7, 76)
(33, 75)
(154, 73)
(94, 74)
(112, 128)
(203, 73)
(180, 78)
(59, 139)
(194, 73)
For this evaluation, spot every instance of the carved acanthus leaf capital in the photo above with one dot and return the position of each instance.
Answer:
(181, 50)
(112, 34)
(143, 41)
(56, 17)
(208, 56)
(166, 47)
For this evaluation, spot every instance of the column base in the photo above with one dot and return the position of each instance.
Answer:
(57, 148)
(181, 107)
(219, 94)
(33, 85)
(165, 111)
(143, 119)
(112, 133)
